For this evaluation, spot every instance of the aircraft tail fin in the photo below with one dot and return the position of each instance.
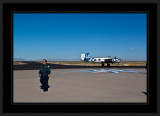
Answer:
(85, 57)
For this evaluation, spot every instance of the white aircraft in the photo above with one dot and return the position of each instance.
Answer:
(86, 57)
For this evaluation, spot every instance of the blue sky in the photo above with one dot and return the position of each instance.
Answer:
(67, 35)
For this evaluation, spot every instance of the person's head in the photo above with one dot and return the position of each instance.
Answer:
(44, 61)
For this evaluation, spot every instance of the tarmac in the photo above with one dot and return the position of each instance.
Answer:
(83, 85)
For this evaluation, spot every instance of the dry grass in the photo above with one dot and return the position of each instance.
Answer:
(130, 63)
(18, 63)
(82, 63)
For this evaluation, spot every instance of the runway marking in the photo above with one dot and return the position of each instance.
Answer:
(110, 71)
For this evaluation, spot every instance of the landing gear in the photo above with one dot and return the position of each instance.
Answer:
(108, 65)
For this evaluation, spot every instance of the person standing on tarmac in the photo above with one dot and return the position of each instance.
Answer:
(44, 74)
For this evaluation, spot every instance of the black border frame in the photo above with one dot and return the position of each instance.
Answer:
(83, 108)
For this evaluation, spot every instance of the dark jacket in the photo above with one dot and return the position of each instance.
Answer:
(45, 70)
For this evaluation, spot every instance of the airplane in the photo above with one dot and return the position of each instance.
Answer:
(86, 57)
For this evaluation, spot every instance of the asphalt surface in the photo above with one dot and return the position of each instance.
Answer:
(36, 66)
(80, 86)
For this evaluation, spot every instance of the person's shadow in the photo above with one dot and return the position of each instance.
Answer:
(144, 92)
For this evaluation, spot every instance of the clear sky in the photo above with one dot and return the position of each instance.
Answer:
(67, 35)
